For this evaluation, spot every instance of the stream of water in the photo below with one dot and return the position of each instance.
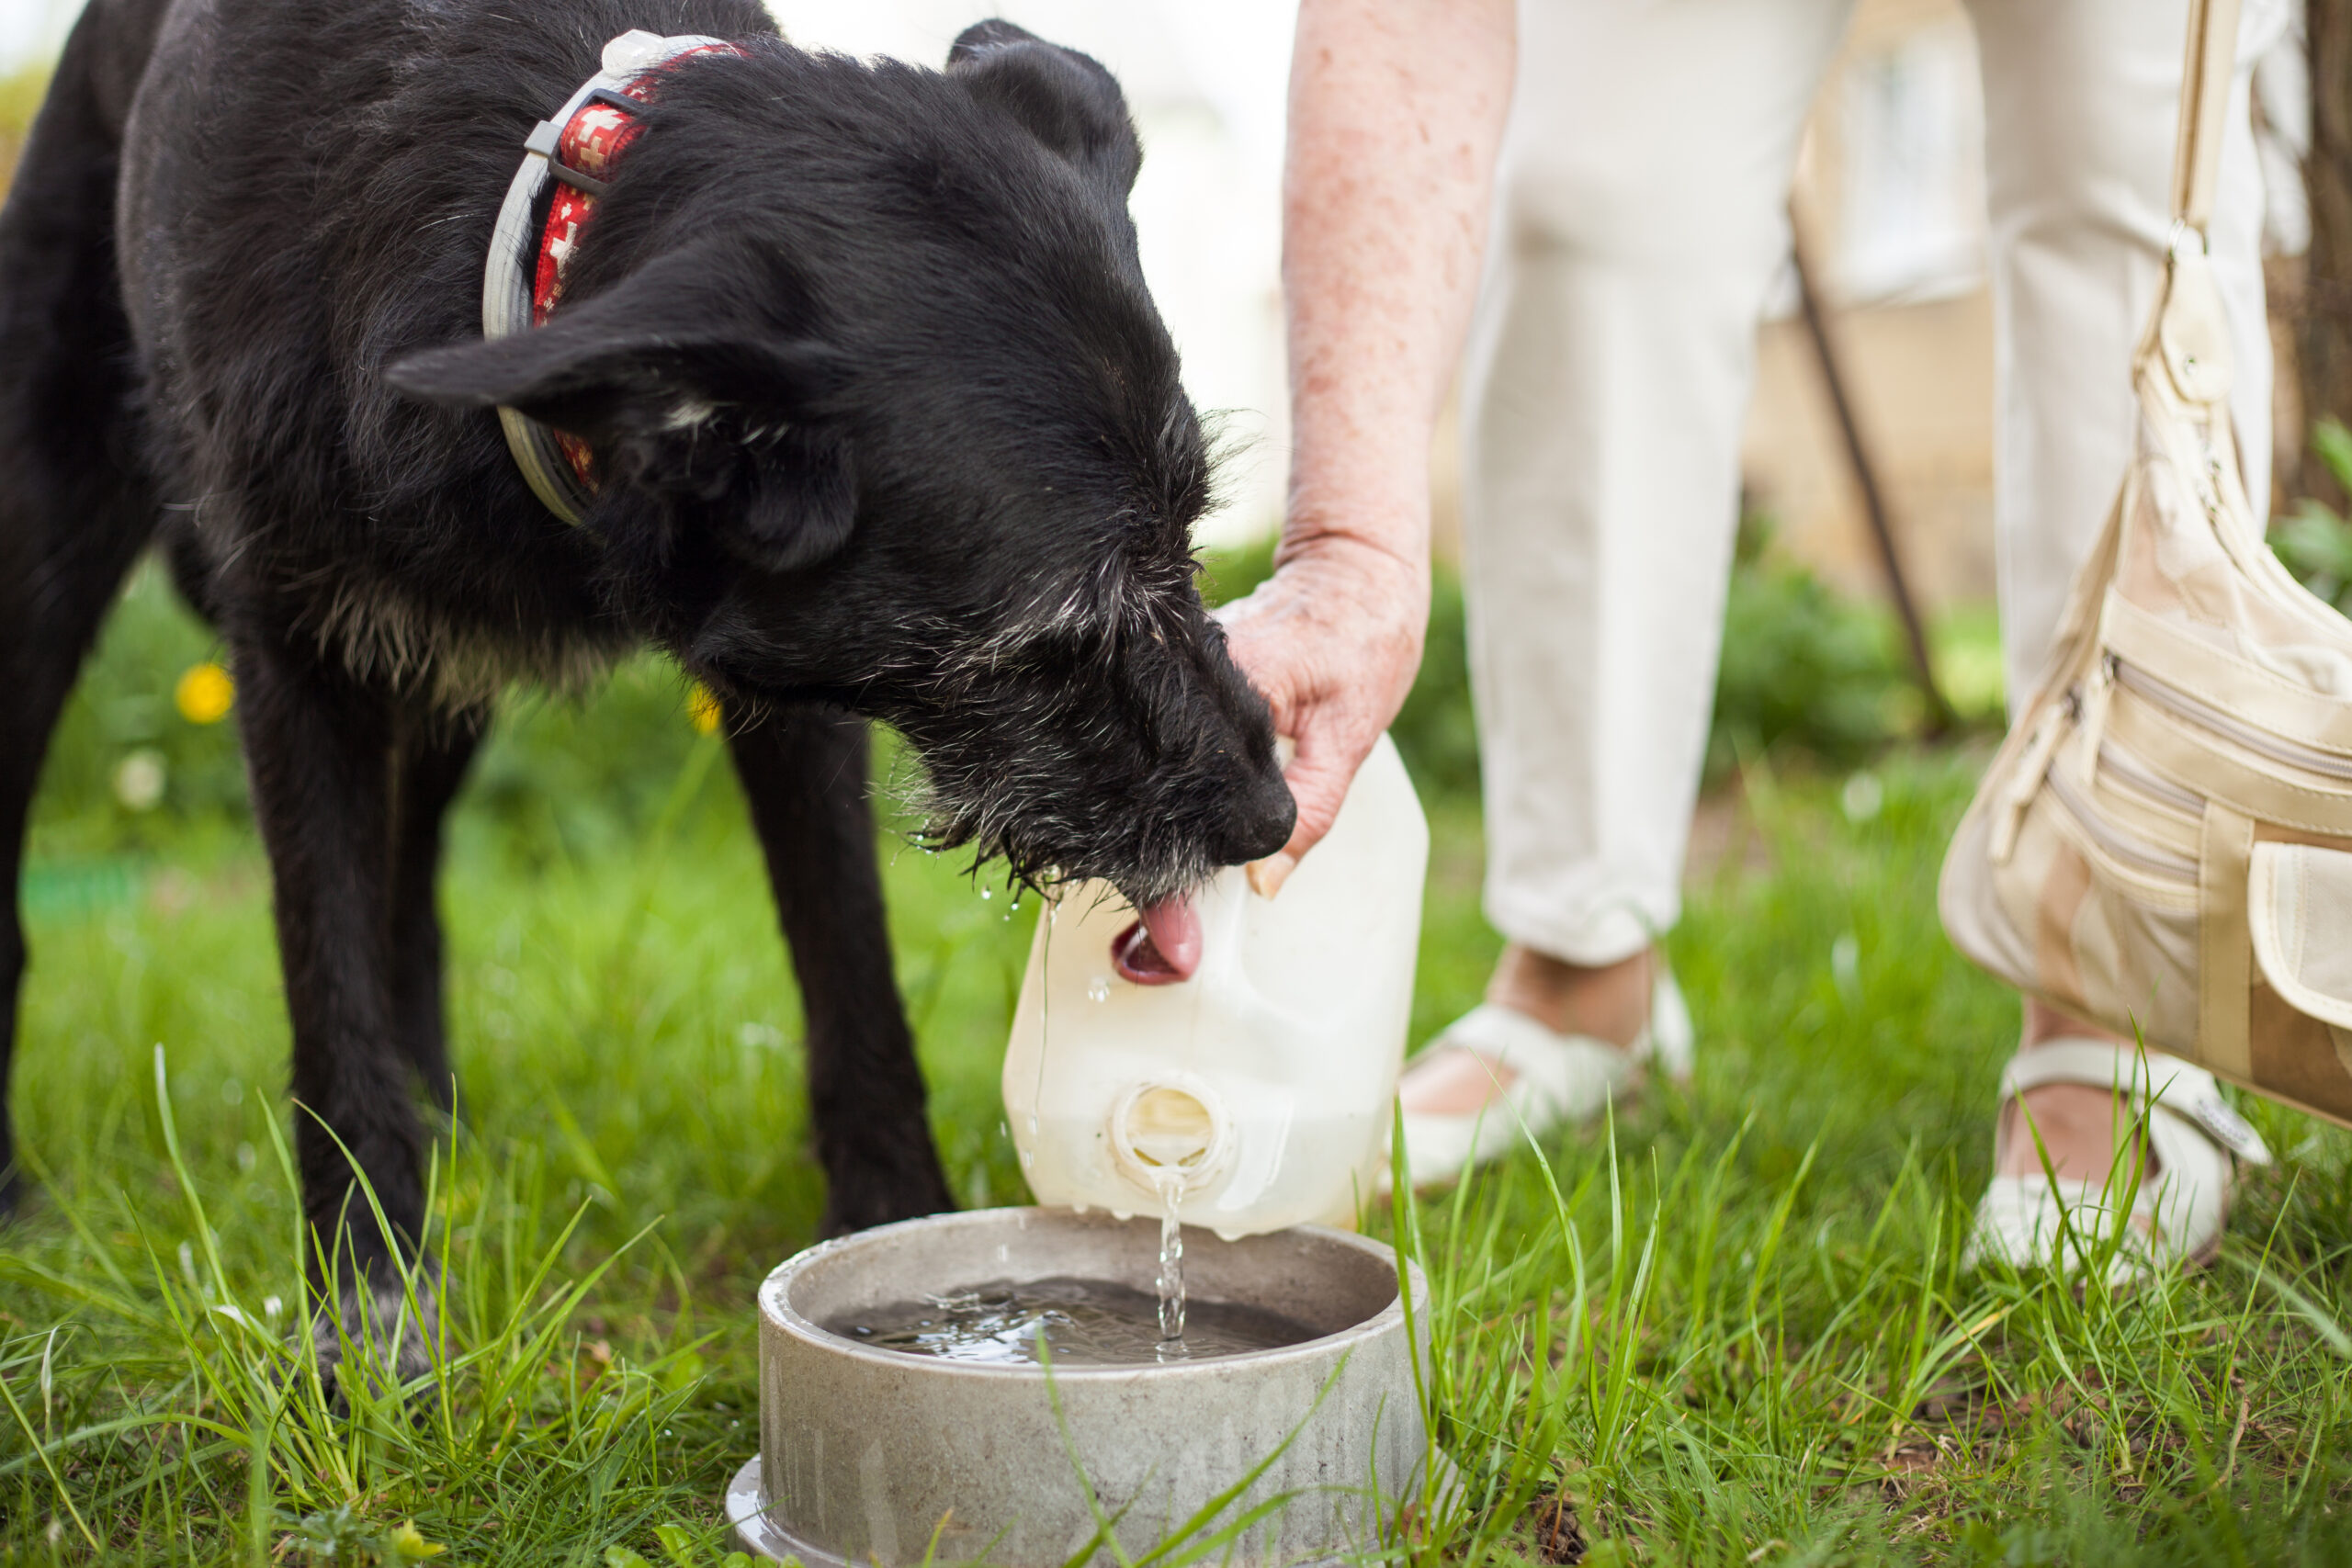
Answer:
(1170, 1283)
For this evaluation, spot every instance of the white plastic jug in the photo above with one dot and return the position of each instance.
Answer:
(1256, 1094)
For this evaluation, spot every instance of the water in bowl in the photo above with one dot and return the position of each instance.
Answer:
(1083, 1322)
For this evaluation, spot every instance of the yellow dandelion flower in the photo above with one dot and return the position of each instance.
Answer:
(205, 693)
(702, 710)
(410, 1546)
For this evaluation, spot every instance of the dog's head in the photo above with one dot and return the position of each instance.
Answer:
(885, 415)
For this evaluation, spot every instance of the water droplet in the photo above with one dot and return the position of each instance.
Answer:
(988, 892)
(1098, 989)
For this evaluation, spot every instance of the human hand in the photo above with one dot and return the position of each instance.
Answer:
(1332, 641)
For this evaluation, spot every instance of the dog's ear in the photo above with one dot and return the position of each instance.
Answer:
(1065, 99)
(733, 425)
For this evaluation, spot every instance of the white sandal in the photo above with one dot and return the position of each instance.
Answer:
(1555, 1078)
(2172, 1215)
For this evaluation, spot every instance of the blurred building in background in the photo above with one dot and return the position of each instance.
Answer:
(1891, 189)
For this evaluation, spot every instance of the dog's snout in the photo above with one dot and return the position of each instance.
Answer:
(1258, 821)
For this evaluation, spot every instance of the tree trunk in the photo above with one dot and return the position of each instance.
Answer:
(2323, 336)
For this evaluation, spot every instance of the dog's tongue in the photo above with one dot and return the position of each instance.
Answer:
(1162, 948)
(1175, 928)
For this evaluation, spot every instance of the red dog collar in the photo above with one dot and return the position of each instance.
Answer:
(575, 151)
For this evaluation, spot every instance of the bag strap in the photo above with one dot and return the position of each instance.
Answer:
(2204, 108)
(2190, 337)
(2187, 344)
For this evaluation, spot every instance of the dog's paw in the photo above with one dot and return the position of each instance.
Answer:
(378, 1333)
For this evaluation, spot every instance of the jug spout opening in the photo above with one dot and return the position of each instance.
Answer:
(1168, 1132)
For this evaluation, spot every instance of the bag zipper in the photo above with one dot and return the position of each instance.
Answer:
(2135, 776)
(2261, 742)
(2145, 857)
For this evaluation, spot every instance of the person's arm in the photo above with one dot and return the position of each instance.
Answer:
(1396, 110)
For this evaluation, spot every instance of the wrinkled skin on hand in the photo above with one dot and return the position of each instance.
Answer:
(1332, 641)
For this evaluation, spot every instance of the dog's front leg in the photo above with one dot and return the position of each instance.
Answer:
(804, 772)
(429, 765)
(318, 751)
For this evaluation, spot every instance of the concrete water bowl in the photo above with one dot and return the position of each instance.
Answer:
(866, 1454)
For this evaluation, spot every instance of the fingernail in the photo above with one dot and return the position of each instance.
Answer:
(1266, 876)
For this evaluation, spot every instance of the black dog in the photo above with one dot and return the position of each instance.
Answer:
(886, 427)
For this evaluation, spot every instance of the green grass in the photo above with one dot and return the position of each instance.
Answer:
(1729, 1329)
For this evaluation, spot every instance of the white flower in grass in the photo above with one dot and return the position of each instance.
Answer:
(1846, 965)
(1863, 796)
(138, 780)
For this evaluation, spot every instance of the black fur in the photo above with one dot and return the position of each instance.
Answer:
(888, 424)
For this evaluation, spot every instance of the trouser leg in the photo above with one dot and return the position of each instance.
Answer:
(2082, 100)
(1641, 217)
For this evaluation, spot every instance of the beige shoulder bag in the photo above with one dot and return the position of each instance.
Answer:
(2164, 844)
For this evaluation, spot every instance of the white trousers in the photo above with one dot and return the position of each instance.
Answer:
(1640, 220)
